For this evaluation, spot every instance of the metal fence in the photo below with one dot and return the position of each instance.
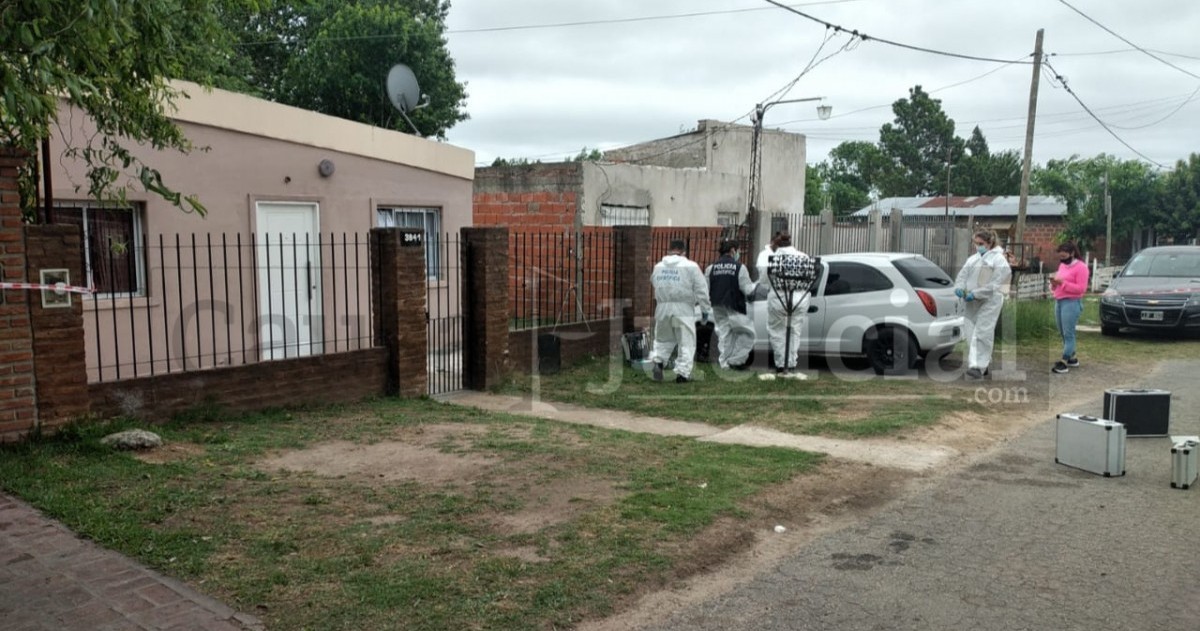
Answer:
(443, 314)
(212, 300)
(561, 277)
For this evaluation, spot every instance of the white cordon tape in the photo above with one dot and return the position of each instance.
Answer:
(58, 288)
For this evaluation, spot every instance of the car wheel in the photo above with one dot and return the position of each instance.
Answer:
(891, 350)
(1109, 329)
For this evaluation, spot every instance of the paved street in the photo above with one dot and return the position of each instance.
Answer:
(1013, 542)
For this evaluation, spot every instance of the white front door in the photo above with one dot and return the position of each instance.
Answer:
(289, 273)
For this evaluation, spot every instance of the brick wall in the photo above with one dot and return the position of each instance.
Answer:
(534, 196)
(398, 255)
(18, 410)
(336, 378)
(578, 342)
(60, 362)
(485, 306)
(1042, 235)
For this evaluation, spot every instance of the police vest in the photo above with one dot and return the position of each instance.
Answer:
(723, 287)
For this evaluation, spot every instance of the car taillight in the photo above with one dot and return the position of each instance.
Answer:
(928, 301)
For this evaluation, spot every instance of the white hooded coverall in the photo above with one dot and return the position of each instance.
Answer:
(679, 286)
(735, 330)
(985, 276)
(777, 318)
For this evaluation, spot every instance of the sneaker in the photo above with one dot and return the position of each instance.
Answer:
(1060, 368)
(974, 373)
(682, 379)
(781, 371)
(657, 374)
(1073, 362)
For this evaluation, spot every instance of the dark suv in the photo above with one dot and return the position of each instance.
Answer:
(1158, 289)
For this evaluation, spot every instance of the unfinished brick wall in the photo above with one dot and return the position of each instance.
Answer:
(18, 407)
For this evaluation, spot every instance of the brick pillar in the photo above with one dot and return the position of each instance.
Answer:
(484, 306)
(18, 403)
(631, 270)
(399, 302)
(59, 359)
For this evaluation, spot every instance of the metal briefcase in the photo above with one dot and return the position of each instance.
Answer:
(1183, 464)
(1143, 412)
(1091, 444)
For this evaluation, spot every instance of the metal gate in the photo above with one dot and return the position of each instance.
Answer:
(443, 314)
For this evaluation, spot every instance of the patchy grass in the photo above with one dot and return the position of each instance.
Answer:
(842, 403)
(394, 546)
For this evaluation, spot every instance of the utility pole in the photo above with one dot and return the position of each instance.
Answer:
(1019, 233)
(754, 194)
(1108, 228)
(949, 157)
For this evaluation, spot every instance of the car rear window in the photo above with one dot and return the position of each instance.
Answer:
(921, 273)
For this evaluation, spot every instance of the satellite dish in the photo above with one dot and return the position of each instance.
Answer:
(402, 88)
(405, 93)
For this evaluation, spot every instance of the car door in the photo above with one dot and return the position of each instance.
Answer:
(856, 295)
(814, 327)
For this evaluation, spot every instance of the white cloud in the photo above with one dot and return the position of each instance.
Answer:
(549, 92)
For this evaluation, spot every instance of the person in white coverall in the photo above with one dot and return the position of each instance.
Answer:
(786, 355)
(728, 285)
(678, 287)
(982, 283)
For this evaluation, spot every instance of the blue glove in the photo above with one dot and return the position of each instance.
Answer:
(959, 292)
(969, 297)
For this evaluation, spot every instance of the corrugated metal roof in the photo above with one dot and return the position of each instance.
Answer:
(982, 206)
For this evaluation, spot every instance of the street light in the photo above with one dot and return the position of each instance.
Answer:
(753, 202)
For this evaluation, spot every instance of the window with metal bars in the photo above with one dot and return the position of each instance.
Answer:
(114, 258)
(428, 219)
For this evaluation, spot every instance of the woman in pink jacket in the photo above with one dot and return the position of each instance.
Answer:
(1070, 282)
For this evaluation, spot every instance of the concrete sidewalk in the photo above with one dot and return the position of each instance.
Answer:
(51, 579)
(909, 455)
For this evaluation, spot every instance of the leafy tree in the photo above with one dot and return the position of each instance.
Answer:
(112, 60)
(587, 155)
(917, 146)
(333, 56)
(825, 188)
(1132, 186)
(1177, 213)
(982, 172)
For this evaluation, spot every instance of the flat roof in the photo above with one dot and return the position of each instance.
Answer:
(222, 109)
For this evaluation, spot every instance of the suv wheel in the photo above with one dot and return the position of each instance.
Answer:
(1109, 329)
(891, 350)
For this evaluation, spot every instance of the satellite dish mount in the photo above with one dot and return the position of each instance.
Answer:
(404, 93)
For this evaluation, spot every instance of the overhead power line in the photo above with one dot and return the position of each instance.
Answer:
(1125, 50)
(866, 38)
(1062, 81)
(1118, 36)
(550, 25)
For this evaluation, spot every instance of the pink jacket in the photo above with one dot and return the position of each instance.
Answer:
(1074, 277)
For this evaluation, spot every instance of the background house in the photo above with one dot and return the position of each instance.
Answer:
(1045, 218)
(279, 267)
(699, 178)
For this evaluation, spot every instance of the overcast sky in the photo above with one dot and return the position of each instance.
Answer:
(544, 93)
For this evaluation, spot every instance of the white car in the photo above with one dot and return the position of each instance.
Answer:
(892, 308)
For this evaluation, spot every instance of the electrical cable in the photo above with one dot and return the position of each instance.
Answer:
(1126, 50)
(1118, 36)
(1062, 81)
(526, 27)
(864, 37)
